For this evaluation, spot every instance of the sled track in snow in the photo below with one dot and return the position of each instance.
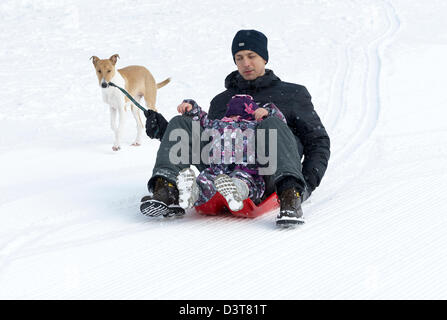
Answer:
(337, 96)
(371, 105)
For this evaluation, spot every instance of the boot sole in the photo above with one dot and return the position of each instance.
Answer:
(155, 208)
(174, 211)
(226, 187)
(288, 222)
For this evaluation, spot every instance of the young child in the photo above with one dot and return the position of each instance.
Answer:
(234, 181)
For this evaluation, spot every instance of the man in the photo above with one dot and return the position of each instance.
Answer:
(293, 181)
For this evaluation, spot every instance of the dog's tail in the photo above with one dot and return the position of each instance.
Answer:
(163, 83)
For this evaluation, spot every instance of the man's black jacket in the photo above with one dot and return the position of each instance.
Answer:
(295, 103)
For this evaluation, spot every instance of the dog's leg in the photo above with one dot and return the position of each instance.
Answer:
(120, 129)
(136, 115)
(113, 113)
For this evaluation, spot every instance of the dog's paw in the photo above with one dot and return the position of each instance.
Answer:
(116, 148)
(136, 144)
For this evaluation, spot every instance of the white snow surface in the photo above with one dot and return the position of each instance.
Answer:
(70, 226)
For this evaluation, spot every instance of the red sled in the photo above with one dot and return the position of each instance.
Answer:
(217, 205)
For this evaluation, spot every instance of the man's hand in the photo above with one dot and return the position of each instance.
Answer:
(155, 124)
(184, 107)
(260, 113)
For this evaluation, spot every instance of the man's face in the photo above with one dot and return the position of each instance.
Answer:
(249, 64)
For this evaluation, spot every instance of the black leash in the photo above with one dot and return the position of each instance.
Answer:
(128, 95)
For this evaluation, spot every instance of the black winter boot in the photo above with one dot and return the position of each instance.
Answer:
(163, 201)
(290, 213)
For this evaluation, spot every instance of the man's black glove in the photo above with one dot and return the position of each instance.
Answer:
(155, 124)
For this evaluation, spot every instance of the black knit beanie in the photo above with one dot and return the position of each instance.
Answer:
(250, 40)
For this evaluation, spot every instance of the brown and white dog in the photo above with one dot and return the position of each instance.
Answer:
(138, 81)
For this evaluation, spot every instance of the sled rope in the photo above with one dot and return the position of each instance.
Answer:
(128, 95)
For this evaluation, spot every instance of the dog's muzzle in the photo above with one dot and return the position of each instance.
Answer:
(104, 85)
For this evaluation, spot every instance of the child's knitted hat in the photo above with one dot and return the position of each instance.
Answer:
(242, 105)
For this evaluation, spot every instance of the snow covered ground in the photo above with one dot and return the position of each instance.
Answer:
(70, 225)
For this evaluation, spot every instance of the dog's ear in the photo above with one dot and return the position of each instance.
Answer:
(114, 58)
(95, 59)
